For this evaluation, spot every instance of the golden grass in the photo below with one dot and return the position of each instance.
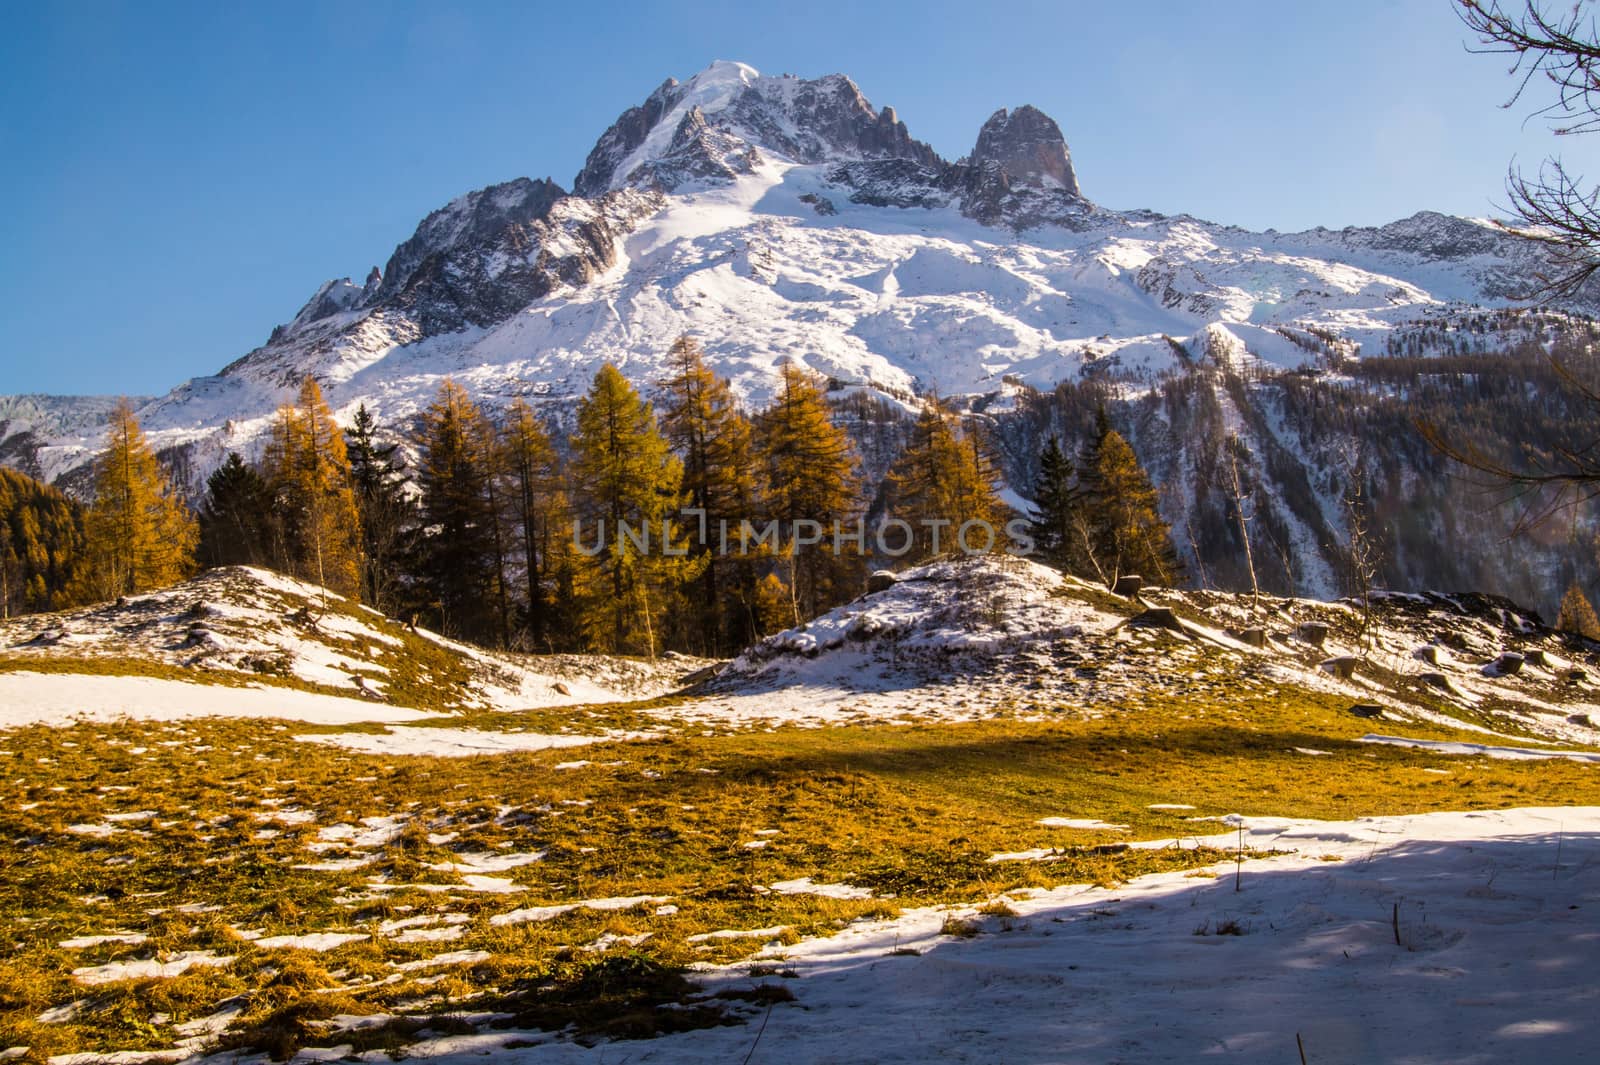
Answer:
(912, 812)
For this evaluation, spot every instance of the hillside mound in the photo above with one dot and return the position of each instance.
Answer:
(979, 636)
(948, 616)
(242, 624)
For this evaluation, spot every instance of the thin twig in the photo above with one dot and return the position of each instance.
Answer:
(759, 1033)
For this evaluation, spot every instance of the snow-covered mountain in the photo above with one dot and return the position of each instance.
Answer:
(784, 219)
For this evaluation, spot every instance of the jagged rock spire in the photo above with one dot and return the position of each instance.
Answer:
(1027, 147)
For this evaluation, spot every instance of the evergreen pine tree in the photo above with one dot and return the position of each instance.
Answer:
(541, 518)
(808, 474)
(498, 497)
(236, 517)
(388, 517)
(1056, 504)
(713, 439)
(1577, 614)
(623, 473)
(458, 542)
(139, 533)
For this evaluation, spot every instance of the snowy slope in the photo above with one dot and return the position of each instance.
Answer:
(245, 626)
(1496, 944)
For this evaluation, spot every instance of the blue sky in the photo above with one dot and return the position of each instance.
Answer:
(179, 178)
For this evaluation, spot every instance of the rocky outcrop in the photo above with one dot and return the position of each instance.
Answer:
(896, 183)
(475, 262)
(821, 121)
(626, 134)
(1020, 174)
(698, 151)
(726, 116)
(1026, 147)
(334, 297)
(481, 219)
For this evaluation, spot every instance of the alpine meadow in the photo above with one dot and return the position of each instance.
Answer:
(788, 594)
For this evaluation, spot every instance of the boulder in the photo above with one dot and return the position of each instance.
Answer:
(1428, 653)
(1581, 719)
(1157, 617)
(699, 676)
(1253, 637)
(1577, 676)
(1536, 658)
(1128, 585)
(1343, 667)
(1437, 680)
(881, 581)
(1313, 632)
(1368, 710)
(562, 688)
(1509, 664)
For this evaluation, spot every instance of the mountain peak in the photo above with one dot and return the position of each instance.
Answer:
(725, 72)
(1027, 147)
(804, 121)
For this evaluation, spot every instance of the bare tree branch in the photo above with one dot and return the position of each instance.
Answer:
(1562, 50)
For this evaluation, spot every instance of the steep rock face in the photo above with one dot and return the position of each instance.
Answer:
(897, 183)
(332, 298)
(477, 220)
(1026, 146)
(1020, 175)
(503, 265)
(472, 264)
(697, 151)
(623, 138)
(822, 120)
(721, 119)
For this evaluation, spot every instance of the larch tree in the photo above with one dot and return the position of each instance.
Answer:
(940, 483)
(1363, 545)
(1123, 530)
(502, 530)
(1577, 614)
(459, 525)
(309, 470)
(808, 474)
(42, 550)
(625, 485)
(713, 438)
(140, 534)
